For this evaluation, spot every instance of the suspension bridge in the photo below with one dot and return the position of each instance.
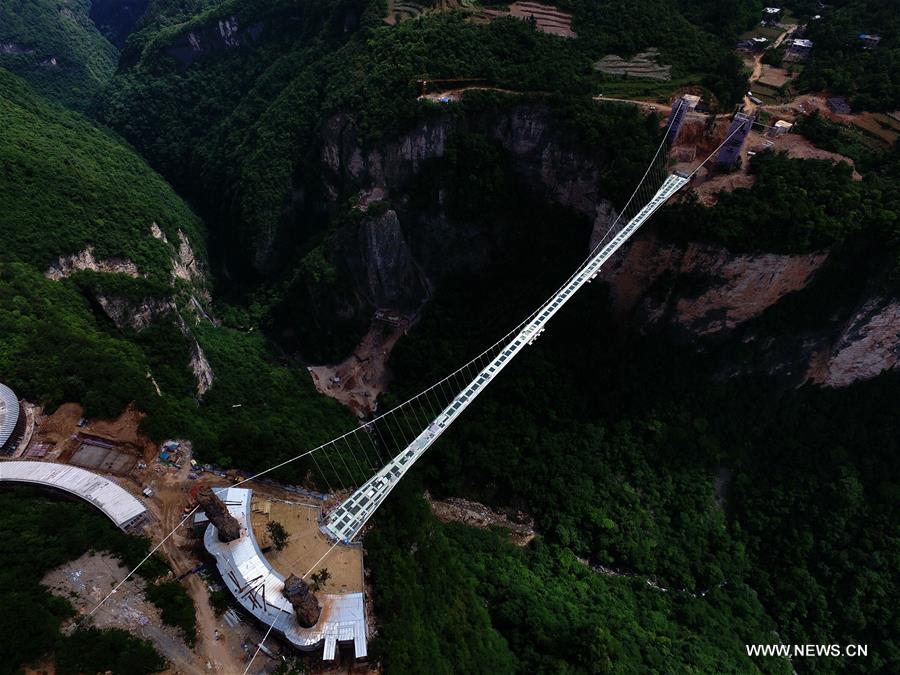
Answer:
(366, 464)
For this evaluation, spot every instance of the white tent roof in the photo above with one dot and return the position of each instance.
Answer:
(257, 586)
(119, 505)
(9, 413)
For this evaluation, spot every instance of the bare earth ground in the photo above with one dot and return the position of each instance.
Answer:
(456, 93)
(758, 67)
(358, 380)
(520, 527)
(172, 494)
(306, 545)
(797, 146)
(55, 436)
(774, 77)
(183, 552)
(86, 580)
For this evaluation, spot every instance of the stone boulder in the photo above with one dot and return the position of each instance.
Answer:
(305, 604)
(228, 526)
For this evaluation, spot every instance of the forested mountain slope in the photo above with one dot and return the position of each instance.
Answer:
(56, 47)
(693, 489)
(102, 268)
(229, 103)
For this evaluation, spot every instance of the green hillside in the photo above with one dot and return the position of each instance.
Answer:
(258, 103)
(68, 184)
(56, 47)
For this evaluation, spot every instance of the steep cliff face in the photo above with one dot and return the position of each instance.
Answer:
(137, 314)
(868, 345)
(225, 33)
(706, 296)
(701, 290)
(390, 275)
(65, 265)
(695, 293)
(549, 165)
(395, 256)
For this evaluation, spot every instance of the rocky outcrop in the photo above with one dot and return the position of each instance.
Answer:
(393, 257)
(127, 314)
(701, 289)
(223, 33)
(228, 527)
(389, 276)
(65, 265)
(14, 48)
(548, 163)
(301, 597)
(695, 293)
(868, 345)
(185, 265)
(703, 295)
(199, 365)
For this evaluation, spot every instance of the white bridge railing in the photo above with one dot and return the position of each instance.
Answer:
(345, 522)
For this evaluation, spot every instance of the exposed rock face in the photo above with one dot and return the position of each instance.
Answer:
(11, 47)
(85, 260)
(136, 316)
(185, 265)
(157, 233)
(701, 294)
(568, 175)
(390, 277)
(868, 345)
(701, 289)
(695, 293)
(128, 314)
(199, 365)
(305, 604)
(228, 527)
(394, 259)
(225, 33)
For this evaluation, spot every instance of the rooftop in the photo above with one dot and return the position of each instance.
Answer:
(119, 505)
(257, 586)
(9, 413)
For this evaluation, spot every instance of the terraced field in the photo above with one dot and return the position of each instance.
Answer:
(645, 64)
(401, 10)
(548, 18)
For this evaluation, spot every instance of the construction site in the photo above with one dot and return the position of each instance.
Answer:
(147, 488)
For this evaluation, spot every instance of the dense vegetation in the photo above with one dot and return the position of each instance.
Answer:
(767, 514)
(55, 348)
(475, 603)
(618, 445)
(57, 48)
(797, 206)
(253, 144)
(67, 184)
(38, 534)
(112, 650)
(841, 63)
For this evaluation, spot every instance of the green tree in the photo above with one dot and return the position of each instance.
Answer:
(278, 534)
(320, 578)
